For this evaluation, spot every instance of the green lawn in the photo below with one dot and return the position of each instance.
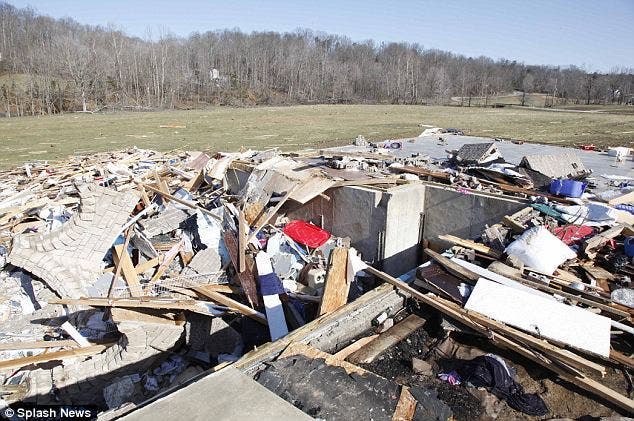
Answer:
(291, 128)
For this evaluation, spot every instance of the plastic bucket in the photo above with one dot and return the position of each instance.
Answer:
(569, 188)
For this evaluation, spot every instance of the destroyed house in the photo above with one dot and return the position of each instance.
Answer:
(259, 284)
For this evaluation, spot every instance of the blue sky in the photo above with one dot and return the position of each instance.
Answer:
(595, 34)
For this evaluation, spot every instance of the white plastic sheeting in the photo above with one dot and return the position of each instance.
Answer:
(574, 326)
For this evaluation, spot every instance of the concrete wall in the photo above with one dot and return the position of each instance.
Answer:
(462, 214)
(401, 249)
(354, 212)
(383, 225)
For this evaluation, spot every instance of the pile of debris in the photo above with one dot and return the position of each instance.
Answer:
(127, 274)
(109, 252)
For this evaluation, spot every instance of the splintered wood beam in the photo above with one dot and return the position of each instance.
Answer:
(355, 346)
(145, 302)
(386, 340)
(337, 287)
(406, 406)
(452, 267)
(144, 197)
(189, 204)
(14, 346)
(242, 245)
(165, 264)
(118, 264)
(142, 267)
(590, 245)
(269, 215)
(246, 278)
(232, 304)
(124, 265)
(298, 348)
(194, 184)
(162, 185)
(52, 356)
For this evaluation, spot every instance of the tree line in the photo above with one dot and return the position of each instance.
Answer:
(50, 66)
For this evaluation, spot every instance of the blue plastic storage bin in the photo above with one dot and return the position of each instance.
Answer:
(569, 188)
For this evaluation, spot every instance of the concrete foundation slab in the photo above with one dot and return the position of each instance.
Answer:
(225, 395)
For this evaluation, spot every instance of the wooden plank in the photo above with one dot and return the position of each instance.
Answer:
(424, 172)
(298, 348)
(598, 240)
(355, 346)
(310, 188)
(406, 406)
(246, 278)
(472, 245)
(386, 340)
(156, 303)
(182, 202)
(162, 185)
(146, 316)
(337, 287)
(453, 268)
(51, 356)
(367, 182)
(224, 288)
(142, 267)
(625, 198)
(165, 264)
(434, 278)
(124, 264)
(194, 184)
(186, 257)
(144, 197)
(515, 226)
(269, 215)
(621, 358)
(117, 263)
(232, 304)
(15, 346)
(575, 378)
(242, 245)
(598, 273)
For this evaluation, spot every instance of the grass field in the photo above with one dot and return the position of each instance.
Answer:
(291, 128)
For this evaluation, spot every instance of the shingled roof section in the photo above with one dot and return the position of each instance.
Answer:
(478, 153)
(565, 165)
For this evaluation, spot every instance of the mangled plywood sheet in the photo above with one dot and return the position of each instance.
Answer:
(574, 326)
(279, 174)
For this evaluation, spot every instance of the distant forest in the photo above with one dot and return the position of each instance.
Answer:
(49, 66)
